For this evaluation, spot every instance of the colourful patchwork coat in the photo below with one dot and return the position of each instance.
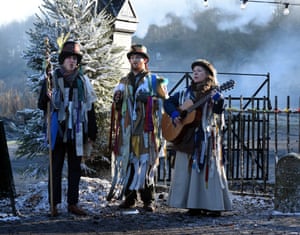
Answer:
(136, 133)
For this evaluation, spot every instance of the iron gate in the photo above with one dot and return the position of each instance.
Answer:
(246, 141)
(246, 137)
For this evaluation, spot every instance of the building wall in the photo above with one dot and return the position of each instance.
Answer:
(123, 40)
(124, 27)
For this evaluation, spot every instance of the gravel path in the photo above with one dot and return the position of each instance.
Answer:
(249, 216)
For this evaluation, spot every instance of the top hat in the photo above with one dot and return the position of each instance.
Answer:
(70, 48)
(138, 49)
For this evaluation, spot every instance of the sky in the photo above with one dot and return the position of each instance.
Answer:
(17, 10)
(149, 13)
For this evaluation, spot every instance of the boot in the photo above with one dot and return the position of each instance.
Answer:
(149, 206)
(54, 213)
(130, 200)
(126, 204)
(74, 209)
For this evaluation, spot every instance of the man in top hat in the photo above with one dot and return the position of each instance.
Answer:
(138, 105)
(73, 123)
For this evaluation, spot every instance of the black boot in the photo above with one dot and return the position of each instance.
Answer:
(149, 206)
(129, 201)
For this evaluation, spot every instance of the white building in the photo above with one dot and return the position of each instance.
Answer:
(125, 24)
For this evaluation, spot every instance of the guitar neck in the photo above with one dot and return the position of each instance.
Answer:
(198, 103)
(225, 86)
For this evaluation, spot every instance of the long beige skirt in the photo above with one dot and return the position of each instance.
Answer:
(189, 190)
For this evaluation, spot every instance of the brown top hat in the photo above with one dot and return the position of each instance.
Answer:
(206, 64)
(138, 49)
(70, 48)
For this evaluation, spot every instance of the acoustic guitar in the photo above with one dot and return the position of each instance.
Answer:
(187, 114)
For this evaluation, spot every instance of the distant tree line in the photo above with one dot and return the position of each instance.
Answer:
(14, 40)
(177, 44)
(14, 95)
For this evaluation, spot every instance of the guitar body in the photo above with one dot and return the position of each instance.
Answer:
(172, 133)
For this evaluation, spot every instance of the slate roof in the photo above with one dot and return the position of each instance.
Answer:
(113, 6)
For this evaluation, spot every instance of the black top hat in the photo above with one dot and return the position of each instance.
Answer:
(70, 48)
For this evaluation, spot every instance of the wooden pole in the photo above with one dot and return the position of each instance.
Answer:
(48, 82)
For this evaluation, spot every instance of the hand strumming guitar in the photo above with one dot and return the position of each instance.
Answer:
(176, 118)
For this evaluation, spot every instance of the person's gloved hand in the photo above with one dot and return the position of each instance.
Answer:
(117, 96)
(118, 99)
(218, 102)
(217, 96)
(175, 116)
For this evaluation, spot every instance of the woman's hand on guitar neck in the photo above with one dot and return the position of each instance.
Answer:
(216, 95)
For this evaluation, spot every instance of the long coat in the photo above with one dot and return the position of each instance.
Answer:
(136, 124)
(198, 179)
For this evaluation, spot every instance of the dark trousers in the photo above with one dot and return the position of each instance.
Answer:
(74, 172)
(147, 193)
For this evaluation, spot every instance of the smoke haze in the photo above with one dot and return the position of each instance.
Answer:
(279, 54)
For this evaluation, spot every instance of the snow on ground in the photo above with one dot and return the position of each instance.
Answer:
(93, 193)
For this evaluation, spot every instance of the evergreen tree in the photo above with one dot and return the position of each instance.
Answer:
(79, 20)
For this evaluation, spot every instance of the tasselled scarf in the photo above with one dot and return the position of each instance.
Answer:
(198, 91)
(135, 79)
(74, 109)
